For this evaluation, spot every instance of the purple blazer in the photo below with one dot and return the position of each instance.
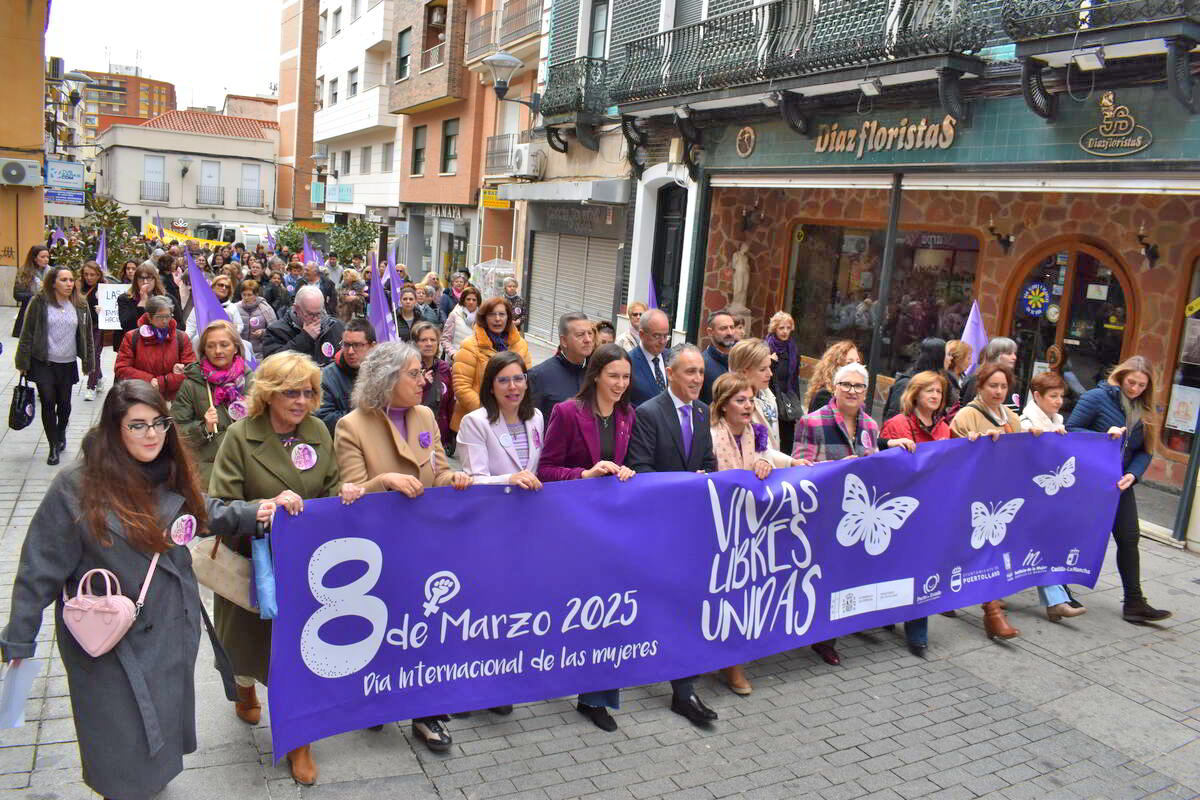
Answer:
(573, 441)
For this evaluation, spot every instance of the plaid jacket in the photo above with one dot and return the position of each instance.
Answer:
(821, 435)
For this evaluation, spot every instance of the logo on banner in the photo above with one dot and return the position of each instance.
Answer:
(956, 579)
(930, 588)
(441, 587)
(990, 524)
(1118, 133)
(1061, 478)
(1073, 557)
(868, 522)
(1032, 559)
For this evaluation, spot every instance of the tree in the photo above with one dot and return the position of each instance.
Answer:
(353, 239)
(290, 236)
(123, 242)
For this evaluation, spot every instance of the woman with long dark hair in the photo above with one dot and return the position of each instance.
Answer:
(90, 277)
(57, 331)
(133, 497)
(131, 305)
(29, 281)
(501, 442)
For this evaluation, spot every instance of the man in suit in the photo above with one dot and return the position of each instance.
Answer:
(649, 365)
(672, 433)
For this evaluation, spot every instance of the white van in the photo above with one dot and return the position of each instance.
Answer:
(250, 234)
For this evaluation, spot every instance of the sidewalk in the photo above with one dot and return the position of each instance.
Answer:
(1090, 708)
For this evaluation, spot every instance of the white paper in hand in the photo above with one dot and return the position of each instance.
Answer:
(14, 691)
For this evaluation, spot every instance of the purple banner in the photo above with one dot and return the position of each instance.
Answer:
(393, 608)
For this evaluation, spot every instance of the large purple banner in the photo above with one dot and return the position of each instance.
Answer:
(393, 608)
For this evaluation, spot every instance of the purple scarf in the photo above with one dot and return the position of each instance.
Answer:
(499, 341)
(228, 384)
(784, 349)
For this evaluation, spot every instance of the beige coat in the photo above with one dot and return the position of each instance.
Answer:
(368, 445)
(970, 419)
(729, 456)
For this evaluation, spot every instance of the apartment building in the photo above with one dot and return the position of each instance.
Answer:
(296, 180)
(122, 91)
(353, 125)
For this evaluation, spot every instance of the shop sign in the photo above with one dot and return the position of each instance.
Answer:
(64, 174)
(443, 211)
(1118, 133)
(602, 221)
(1035, 299)
(1185, 405)
(746, 140)
(491, 200)
(1192, 307)
(876, 137)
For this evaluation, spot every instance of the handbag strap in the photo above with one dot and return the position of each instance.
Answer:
(105, 573)
(145, 586)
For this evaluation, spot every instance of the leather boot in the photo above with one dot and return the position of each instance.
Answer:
(304, 771)
(247, 706)
(995, 623)
(737, 681)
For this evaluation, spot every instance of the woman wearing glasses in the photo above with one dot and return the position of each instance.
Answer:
(842, 429)
(390, 443)
(493, 333)
(502, 441)
(133, 496)
(155, 351)
(279, 450)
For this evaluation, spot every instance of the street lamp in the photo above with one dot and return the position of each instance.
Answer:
(503, 65)
(184, 162)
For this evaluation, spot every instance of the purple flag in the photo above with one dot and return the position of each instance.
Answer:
(308, 251)
(162, 231)
(102, 250)
(207, 306)
(738, 569)
(975, 335)
(652, 300)
(377, 310)
(57, 236)
(393, 278)
(270, 240)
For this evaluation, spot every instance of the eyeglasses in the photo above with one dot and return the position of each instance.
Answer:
(161, 317)
(354, 345)
(658, 337)
(852, 388)
(501, 314)
(142, 429)
(296, 394)
(512, 380)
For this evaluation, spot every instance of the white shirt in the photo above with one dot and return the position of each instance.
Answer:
(651, 359)
(679, 403)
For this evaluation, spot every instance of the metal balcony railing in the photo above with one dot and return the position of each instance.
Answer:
(520, 18)
(788, 38)
(1032, 19)
(154, 191)
(250, 198)
(210, 195)
(498, 158)
(433, 57)
(481, 35)
(577, 86)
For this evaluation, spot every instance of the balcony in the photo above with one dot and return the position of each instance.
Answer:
(498, 154)
(210, 195)
(366, 112)
(785, 44)
(481, 35)
(1053, 33)
(250, 198)
(433, 57)
(154, 191)
(519, 19)
(576, 97)
(438, 75)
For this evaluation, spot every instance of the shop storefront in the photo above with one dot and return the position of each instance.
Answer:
(1078, 238)
(437, 238)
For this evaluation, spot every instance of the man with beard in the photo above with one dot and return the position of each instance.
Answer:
(716, 356)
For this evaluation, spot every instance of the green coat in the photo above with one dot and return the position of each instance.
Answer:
(32, 344)
(252, 463)
(188, 409)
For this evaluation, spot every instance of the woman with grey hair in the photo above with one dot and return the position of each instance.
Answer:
(390, 442)
(154, 351)
(1000, 350)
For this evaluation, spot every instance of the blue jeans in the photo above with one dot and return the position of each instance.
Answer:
(605, 697)
(916, 631)
(1053, 595)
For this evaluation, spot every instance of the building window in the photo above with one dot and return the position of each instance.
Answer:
(345, 162)
(418, 150)
(598, 39)
(450, 146)
(320, 93)
(354, 10)
(322, 20)
(389, 152)
(364, 160)
(403, 51)
(352, 83)
(337, 22)
(333, 91)
(1180, 424)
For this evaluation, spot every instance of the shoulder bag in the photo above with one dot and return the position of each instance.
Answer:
(222, 569)
(24, 405)
(99, 621)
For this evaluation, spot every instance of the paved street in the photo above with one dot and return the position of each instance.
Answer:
(1094, 708)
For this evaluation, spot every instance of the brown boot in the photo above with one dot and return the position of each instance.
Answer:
(736, 678)
(247, 706)
(304, 771)
(995, 623)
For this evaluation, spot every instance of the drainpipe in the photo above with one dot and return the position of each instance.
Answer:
(885, 288)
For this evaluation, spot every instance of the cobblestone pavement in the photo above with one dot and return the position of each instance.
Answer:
(1091, 708)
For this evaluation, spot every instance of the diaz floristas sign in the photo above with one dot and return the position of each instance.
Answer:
(876, 137)
(1118, 133)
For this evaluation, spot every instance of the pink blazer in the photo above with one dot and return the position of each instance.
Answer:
(729, 456)
(573, 440)
(488, 453)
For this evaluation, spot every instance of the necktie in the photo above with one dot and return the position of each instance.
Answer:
(685, 425)
(658, 376)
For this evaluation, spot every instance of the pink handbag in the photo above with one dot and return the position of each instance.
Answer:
(98, 621)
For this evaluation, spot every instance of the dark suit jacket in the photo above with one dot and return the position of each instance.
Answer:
(657, 441)
(644, 385)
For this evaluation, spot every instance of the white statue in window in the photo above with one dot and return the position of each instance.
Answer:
(740, 263)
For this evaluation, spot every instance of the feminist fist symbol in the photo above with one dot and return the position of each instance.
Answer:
(440, 587)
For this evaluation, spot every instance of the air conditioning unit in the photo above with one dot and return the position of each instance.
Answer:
(527, 162)
(54, 69)
(20, 172)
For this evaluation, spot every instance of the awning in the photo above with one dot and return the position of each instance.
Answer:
(1092, 182)
(612, 191)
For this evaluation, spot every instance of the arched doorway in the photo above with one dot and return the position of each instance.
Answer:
(1077, 297)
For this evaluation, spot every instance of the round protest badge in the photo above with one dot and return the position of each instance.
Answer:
(146, 330)
(506, 440)
(183, 530)
(327, 350)
(304, 457)
(237, 410)
(865, 438)
(1016, 398)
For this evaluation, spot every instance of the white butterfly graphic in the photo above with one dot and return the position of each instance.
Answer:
(869, 522)
(1061, 478)
(991, 524)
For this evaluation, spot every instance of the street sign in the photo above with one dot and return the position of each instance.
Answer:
(64, 174)
(64, 196)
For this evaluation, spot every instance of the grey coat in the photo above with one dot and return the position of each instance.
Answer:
(134, 706)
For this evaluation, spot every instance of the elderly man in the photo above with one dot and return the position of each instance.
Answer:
(559, 377)
(337, 378)
(722, 336)
(649, 364)
(305, 328)
(313, 277)
(672, 433)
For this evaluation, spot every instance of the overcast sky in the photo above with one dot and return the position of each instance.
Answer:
(206, 48)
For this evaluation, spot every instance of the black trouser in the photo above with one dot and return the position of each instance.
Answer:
(1126, 532)
(54, 385)
(787, 436)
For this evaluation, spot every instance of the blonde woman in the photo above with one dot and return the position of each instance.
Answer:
(629, 339)
(958, 360)
(751, 358)
(785, 374)
(820, 386)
